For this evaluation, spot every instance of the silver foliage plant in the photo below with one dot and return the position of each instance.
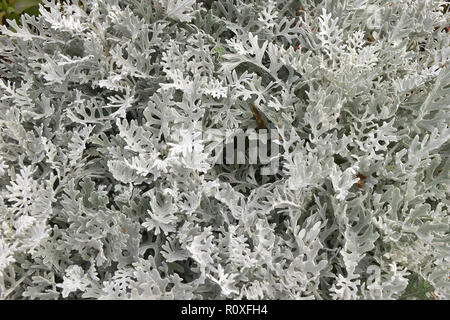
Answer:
(104, 195)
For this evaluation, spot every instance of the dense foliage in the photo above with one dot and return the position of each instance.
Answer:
(105, 193)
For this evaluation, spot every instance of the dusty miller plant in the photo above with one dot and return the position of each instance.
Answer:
(104, 195)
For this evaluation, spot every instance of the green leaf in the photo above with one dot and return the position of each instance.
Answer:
(22, 5)
(32, 11)
(418, 288)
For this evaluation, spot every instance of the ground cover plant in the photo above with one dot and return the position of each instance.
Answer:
(110, 189)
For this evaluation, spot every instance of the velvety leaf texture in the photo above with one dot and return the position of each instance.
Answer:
(113, 185)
